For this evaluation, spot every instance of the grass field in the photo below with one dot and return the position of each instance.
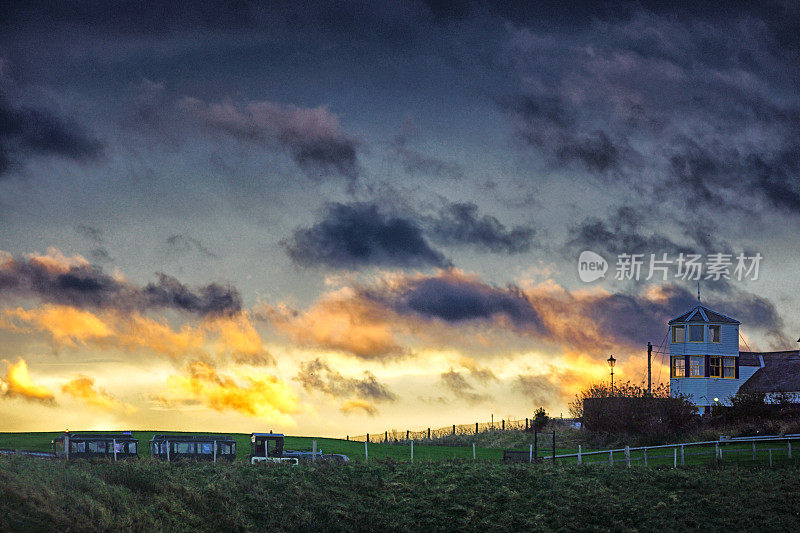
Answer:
(43, 495)
(732, 453)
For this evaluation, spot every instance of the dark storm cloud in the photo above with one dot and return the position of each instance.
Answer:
(461, 388)
(312, 136)
(538, 389)
(694, 105)
(317, 375)
(80, 284)
(460, 224)
(181, 244)
(455, 298)
(358, 234)
(30, 131)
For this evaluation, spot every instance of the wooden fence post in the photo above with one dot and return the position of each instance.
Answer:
(386, 437)
(66, 446)
(314, 451)
(675, 458)
(429, 433)
(530, 454)
(611, 457)
(628, 456)
(367, 438)
(454, 429)
(526, 424)
(789, 448)
(366, 452)
(682, 463)
(412, 452)
(716, 450)
(503, 424)
(473, 451)
(265, 450)
(554, 447)
(406, 434)
(114, 444)
(215, 451)
(579, 454)
(645, 456)
(476, 428)
(770, 457)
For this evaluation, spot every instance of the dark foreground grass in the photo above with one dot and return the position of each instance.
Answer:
(148, 495)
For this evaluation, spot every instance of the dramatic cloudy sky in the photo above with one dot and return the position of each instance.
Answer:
(346, 217)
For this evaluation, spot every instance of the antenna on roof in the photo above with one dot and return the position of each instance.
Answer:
(698, 292)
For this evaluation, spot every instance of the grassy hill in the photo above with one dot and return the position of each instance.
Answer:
(43, 495)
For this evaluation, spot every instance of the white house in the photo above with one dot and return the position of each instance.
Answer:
(707, 366)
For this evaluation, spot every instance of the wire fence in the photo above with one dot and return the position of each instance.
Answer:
(404, 436)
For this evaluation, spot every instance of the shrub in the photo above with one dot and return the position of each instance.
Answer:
(540, 419)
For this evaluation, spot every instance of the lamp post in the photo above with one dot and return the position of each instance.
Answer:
(611, 362)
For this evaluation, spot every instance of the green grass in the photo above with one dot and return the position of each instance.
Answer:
(45, 495)
(354, 450)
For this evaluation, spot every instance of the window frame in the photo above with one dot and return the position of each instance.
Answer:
(702, 360)
(729, 359)
(674, 367)
(674, 331)
(718, 329)
(715, 370)
(703, 336)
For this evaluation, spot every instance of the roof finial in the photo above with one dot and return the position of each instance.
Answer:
(698, 292)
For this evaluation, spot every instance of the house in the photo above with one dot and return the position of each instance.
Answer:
(707, 366)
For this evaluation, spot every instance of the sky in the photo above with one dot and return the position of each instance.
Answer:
(345, 217)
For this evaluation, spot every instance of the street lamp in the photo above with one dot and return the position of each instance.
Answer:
(611, 362)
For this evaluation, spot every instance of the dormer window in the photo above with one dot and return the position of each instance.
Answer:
(714, 333)
(678, 333)
(696, 333)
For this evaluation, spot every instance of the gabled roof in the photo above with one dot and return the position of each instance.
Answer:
(780, 373)
(700, 313)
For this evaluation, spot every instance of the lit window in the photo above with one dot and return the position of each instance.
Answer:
(207, 448)
(714, 333)
(679, 367)
(696, 333)
(729, 370)
(715, 367)
(678, 333)
(696, 369)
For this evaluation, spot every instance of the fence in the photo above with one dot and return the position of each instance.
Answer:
(395, 435)
(723, 450)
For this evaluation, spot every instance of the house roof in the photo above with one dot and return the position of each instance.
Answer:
(701, 313)
(780, 373)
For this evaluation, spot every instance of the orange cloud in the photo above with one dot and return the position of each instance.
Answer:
(83, 388)
(256, 394)
(238, 337)
(17, 383)
(340, 321)
(351, 406)
(56, 262)
(67, 325)
(229, 336)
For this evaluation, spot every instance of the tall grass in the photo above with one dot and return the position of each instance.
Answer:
(386, 495)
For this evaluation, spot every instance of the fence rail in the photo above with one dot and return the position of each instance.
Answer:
(394, 435)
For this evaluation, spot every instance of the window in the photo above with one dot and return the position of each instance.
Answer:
(729, 370)
(207, 448)
(696, 363)
(78, 447)
(696, 333)
(678, 333)
(679, 367)
(714, 333)
(184, 447)
(715, 367)
(97, 446)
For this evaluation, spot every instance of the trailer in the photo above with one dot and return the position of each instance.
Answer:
(94, 445)
(195, 447)
(268, 447)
